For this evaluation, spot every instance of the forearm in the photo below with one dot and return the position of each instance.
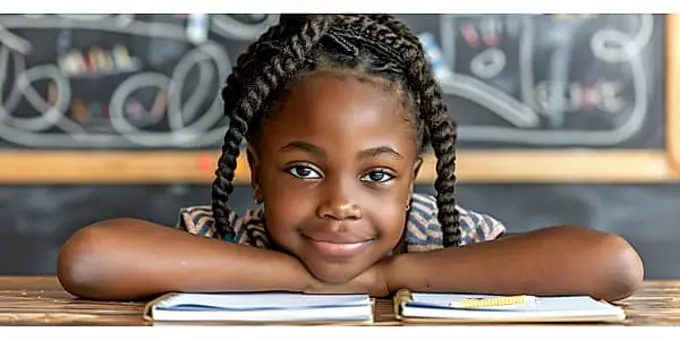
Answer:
(552, 261)
(130, 259)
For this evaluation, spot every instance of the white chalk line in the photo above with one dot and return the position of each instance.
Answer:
(501, 103)
(19, 66)
(497, 101)
(448, 38)
(526, 61)
(179, 134)
(191, 136)
(488, 64)
(552, 134)
(610, 137)
(222, 25)
(51, 115)
(187, 137)
(564, 137)
(630, 47)
(231, 28)
(221, 60)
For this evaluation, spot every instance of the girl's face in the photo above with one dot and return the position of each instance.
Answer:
(335, 167)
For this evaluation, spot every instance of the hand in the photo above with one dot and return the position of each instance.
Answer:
(373, 281)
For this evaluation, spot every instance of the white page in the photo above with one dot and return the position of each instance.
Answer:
(352, 313)
(265, 300)
(574, 307)
(559, 303)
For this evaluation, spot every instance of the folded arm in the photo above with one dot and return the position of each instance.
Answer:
(125, 259)
(551, 261)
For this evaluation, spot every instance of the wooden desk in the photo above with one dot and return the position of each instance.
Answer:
(42, 301)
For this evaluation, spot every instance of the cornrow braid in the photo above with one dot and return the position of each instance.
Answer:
(403, 43)
(398, 27)
(244, 65)
(250, 91)
(380, 46)
(440, 127)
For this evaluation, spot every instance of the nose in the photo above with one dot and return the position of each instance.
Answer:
(337, 203)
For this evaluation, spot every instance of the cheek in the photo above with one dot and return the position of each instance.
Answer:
(285, 203)
(386, 210)
(285, 212)
(389, 216)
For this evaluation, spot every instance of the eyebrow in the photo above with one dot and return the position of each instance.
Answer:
(373, 152)
(304, 146)
(321, 152)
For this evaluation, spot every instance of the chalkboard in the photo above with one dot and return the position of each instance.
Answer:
(119, 81)
(134, 98)
(551, 80)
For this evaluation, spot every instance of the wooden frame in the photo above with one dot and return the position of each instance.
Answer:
(503, 166)
(673, 90)
(507, 166)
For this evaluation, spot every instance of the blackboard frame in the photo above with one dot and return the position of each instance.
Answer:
(673, 88)
(492, 166)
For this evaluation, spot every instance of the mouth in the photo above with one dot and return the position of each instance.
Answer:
(338, 248)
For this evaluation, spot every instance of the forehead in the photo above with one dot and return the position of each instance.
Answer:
(337, 110)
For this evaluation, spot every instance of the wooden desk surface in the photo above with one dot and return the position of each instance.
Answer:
(41, 301)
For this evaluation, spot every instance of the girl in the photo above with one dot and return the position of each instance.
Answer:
(337, 111)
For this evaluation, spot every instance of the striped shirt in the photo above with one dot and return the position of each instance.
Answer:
(423, 231)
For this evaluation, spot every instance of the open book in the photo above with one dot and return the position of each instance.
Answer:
(260, 308)
(461, 308)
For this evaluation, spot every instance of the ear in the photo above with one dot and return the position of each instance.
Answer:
(416, 170)
(254, 165)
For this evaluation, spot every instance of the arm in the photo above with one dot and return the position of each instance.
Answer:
(551, 261)
(128, 259)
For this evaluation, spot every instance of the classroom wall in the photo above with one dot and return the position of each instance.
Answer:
(36, 220)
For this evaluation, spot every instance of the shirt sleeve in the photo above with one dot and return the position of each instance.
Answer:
(424, 231)
(248, 229)
(479, 227)
(197, 220)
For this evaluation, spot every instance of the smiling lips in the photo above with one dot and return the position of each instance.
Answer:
(340, 248)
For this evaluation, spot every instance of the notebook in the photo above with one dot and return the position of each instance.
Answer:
(418, 307)
(261, 308)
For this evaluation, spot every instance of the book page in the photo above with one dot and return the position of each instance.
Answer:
(561, 303)
(265, 300)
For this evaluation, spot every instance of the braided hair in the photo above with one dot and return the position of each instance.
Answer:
(376, 45)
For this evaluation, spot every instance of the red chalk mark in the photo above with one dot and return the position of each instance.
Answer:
(590, 98)
(88, 62)
(470, 34)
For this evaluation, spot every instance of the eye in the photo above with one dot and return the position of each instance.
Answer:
(303, 172)
(379, 176)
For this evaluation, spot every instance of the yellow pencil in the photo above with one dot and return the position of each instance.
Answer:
(493, 301)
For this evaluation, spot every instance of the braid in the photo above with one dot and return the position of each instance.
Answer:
(252, 93)
(440, 127)
(379, 45)
(443, 134)
(398, 27)
(222, 187)
(243, 66)
(442, 131)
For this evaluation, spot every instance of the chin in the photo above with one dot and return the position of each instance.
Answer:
(332, 272)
